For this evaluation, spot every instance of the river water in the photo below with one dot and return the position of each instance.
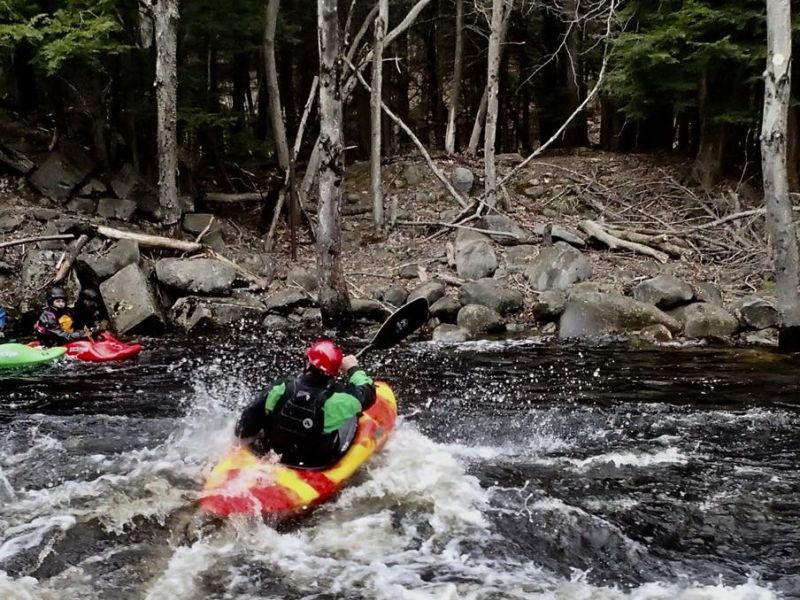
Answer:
(519, 470)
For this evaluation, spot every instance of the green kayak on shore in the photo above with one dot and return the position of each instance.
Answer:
(19, 355)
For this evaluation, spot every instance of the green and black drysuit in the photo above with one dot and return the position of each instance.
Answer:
(309, 420)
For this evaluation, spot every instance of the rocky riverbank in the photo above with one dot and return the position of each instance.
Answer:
(540, 268)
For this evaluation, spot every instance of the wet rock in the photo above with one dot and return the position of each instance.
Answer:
(303, 278)
(557, 268)
(487, 292)
(432, 291)
(130, 186)
(450, 334)
(478, 320)
(395, 295)
(708, 292)
(196, 276)
(61, 173)
(368, 310)
(664, 291)
(10, 222)
(462, 180)
(654, 334)
(475, 256)
(276, 323)
(446, 309)
(285, 301)
(99, 268)
(114, 208)
(519, 258)
(83, 205)
(701, 320)
(767, 338)
(756, 313)
(196, 223)
(308, 316)
(412, 175)
(130, 302)
(504, 225)
(549, 306)
(92, 189)
(594, 314)
(195, 313)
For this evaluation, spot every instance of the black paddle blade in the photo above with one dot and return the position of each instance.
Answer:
(403, 322)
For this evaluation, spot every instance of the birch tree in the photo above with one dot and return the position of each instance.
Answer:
(455, 90)
(273, 91)
(493, 85)
(333, 299)
(165, 16)
(376, 113)
(777, 89)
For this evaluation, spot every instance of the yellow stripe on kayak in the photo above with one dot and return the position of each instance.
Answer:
(291, 480)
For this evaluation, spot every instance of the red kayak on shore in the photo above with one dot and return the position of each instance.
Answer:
(105, 349)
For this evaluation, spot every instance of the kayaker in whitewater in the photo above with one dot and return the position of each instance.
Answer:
(311, 419)
(56, 325)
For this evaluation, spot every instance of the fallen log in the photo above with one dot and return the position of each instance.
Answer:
(150, 241)
(32, 240)
(662, 242)
(69, 258)
(596, 231)
(16, 160)
(220, 198)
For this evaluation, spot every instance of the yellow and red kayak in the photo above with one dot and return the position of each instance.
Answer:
(243, 483)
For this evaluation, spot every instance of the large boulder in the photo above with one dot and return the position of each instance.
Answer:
(195, 313)
(129, 185)
(368, 310)
(98, 268)
(756, 313)
(487, 292)
(285, 302)
(478, 320)
(509, 233)
(431, 291)
(445, 309)
(664, 291)
(549, 306)
(450, 334)
(557, 268)
(701, 320)
(396, 295)
(462, 180)
(708, 292)
(61, 173)
(519, 258)
(196, 276)
(594, 314)
(10, 222)
(130, 301)
(116, 208)
(475, 256)
(196, 223)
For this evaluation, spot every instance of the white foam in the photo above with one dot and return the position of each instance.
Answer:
(633, 459)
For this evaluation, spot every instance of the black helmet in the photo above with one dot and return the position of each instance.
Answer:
(57, 293)
(89, 294)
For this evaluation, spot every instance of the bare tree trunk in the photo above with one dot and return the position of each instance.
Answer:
(455, 90)
(493, 85)
(777, 92)
(377, 115)
(333, 299)
(273, 90)
(165, 19)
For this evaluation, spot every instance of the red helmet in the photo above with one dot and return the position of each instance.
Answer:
(326, 356)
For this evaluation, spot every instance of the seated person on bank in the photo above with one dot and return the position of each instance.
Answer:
(310, 420)
(56, 325)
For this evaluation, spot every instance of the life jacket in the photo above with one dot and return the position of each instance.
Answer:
(66, 322)
(297, 425)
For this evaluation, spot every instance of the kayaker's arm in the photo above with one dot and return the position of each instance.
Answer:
(49, 325)
(256, 416)
(360, 385)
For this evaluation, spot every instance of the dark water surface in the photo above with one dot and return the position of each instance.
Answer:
(520, 470)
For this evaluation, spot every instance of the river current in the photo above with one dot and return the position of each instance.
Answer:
(519, 470)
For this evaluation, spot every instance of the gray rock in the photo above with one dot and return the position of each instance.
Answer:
(412, 175)
(767, 338)
(549, 306)
(394, 295)
(535, 191)
(285, 301)
(445, 309)
(519, 258)
(61, 173)
(114, 208)
(479, 320)
(756, 313)
(664, 291)
(504, 225)
(10, 222)
(196, 223)
(303, 278)
(276, 323)
(475, 256)
(45, 214)
(552, 233)
(308, 316)
(432, 291)
(462, 180)
(701, 320)
(194, 313)
(130, 302)
(558, 267)
(487, 292)
(38, 268)
(99, 268)
(82, 204)
(129, 185)
(653, 334)
(196, 276)
(93, 188)
(594, 314)
(450, 334)
(262, 265)
(409, 272)
(368, 310)
(708, 292)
